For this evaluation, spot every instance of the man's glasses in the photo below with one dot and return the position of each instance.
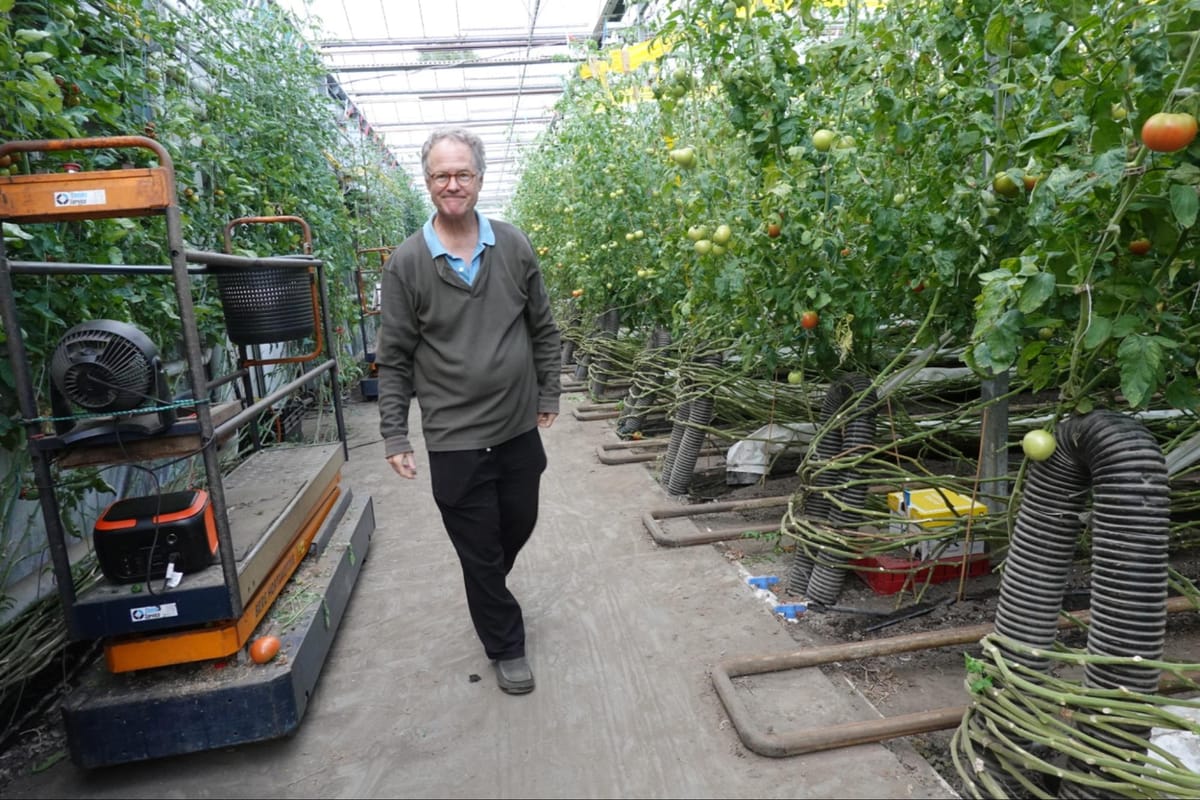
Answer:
(442, 179)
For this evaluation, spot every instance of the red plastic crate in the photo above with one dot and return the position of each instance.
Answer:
(902, 573)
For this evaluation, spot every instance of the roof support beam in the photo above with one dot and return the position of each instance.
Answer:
(458, 43)
(473, 123)
(418, 66)
(451, 94)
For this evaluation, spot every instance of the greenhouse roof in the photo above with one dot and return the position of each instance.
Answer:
(496, 67)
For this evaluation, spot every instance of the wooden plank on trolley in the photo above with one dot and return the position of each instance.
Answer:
(101, 194)
(137, 450)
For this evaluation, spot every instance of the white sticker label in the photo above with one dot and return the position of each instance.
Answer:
(92, 197)
(147, 613)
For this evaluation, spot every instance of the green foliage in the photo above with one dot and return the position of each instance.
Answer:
(928, 100)
(242, 107)
(240, 104)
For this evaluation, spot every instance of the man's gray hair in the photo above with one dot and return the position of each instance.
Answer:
(460, 135)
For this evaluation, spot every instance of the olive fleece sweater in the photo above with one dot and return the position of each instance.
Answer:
(483, 360)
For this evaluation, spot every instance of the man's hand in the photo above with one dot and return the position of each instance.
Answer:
(546, 419)
(405, 465)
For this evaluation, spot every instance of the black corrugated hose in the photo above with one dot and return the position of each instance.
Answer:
(820, 579)
(601, 372)
(691, 440)
(1117, 458)
(641, 388)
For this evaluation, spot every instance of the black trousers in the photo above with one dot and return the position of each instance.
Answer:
(489, 504)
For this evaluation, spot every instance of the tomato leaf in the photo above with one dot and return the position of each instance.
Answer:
(1002, 342)
(1038, 289)
(1127, 324)
(1109, 167)
(1098, 331)
(1185, 173)
(996, 35)
(1074, 126)
(1140, 360)
(1181, 393)
(1184, 204)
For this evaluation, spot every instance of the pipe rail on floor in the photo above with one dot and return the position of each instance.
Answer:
(652, 445)
(650, 520)
(769, 741)
(592, 416)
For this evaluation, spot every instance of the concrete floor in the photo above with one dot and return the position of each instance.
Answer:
(621, 636)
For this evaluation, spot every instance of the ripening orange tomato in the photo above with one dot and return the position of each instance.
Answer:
(1165, 132)
(264, 648)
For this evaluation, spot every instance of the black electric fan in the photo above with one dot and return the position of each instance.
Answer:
(106, 367)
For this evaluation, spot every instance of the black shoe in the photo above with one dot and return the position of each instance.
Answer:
(514, 675)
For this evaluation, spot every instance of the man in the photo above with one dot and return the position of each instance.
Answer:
(466, 325)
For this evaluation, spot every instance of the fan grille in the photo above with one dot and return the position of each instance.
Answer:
(105, 367)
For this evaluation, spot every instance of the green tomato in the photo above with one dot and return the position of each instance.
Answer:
(684, 157)
(703, 247)
(722, 234)
(1038, 444)
(1005, 185)
(823, 139)
(795, 376)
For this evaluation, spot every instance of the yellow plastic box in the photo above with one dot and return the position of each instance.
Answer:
(932, 508)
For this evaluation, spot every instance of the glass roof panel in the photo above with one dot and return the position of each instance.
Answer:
(494, 66)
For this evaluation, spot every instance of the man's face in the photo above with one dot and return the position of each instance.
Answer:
(453, 200)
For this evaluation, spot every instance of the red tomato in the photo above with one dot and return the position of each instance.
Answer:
(263, 649)
(1165, 132)
(809, 320)
(1139, 247)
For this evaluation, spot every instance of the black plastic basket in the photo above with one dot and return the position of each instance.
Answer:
(266, 304)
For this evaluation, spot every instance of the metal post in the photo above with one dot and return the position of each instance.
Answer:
(195, 361)
(47, 496)
(334, 383)
(993, 445)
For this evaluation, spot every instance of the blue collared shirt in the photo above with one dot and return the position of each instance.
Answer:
(466, 271)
